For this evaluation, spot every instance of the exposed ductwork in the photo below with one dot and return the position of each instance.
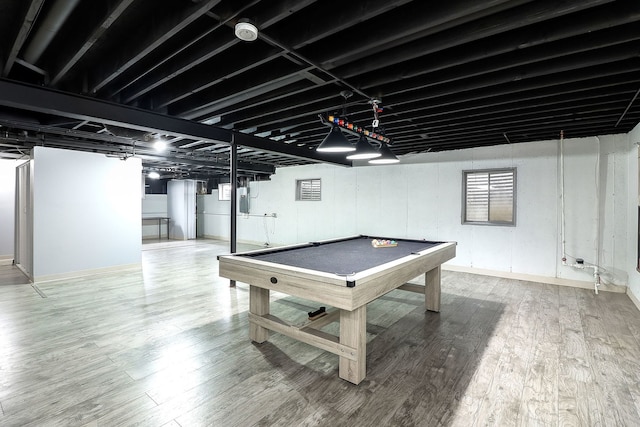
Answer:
(59, 13)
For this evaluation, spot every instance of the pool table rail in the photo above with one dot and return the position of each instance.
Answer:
(330, 288)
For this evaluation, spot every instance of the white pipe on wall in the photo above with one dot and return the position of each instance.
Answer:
(581, 265)
(562, 224)
(598, 221)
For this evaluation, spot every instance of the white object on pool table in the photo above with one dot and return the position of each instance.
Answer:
(381, 243)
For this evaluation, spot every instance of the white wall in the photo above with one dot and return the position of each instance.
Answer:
(295, 221)
(421, 198)
(7, 206)
(632, 213)
(181, 208)
(86, 212)
(215, 215)
(154, 205)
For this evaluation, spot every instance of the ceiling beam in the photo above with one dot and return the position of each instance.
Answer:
(506, 106)
(168, 29)
(129, 149)
(468, 63)
(462, 79)
(209, 45)
(571, 69)
(178, 64)
(33, 98)
(111, 17)
(346, 16)
(529, 14)
(23, 33)
(401, 27)
(301, 98)
(240, 60)
(235, 90)
(583, 34)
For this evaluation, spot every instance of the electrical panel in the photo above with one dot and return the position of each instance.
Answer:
(243, 193)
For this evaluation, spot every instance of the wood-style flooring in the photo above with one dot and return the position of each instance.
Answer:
(168, 346)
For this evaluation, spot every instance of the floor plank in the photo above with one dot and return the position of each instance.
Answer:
(168, 346)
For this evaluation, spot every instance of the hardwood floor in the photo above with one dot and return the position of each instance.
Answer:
(168, 346)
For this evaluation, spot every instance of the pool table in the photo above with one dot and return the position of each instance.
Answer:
(345, 274)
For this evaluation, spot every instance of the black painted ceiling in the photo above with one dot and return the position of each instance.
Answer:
(448, 74)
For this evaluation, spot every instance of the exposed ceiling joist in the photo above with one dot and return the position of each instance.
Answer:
(21, 37)
(448, 75)
(156, 38)
(46, 101)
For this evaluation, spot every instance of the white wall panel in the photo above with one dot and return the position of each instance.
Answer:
(181, 208)
(342, 195)
(535, 236)
(216, 216)
(7, 205)
(154, 205)
(633, 157)
(423, 218)
(86, 212)
(491, 247)
(422, 197)
(368, 199)
(393, 202)
(581, 195)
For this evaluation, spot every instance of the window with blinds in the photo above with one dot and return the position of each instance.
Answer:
(308, 189)
(489, 197)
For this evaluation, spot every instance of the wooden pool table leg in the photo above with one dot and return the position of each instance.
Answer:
(353, 333)
(432, 289)
(258, 305)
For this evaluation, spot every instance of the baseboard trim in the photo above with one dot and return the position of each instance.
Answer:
(534, 278)
(25, 272)
(243, 242)
(633, 298)
(6, 259)
(84, 273)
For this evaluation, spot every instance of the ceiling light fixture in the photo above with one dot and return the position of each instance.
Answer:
(153, 175)
(364, 150)
(160, 145)
(386, 156)
(335, 142)
(246, 31)
(355, 129)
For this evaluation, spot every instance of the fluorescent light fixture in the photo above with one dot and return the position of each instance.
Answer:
(386, 156)
(364, 150)
(335, 142)
(153, 175)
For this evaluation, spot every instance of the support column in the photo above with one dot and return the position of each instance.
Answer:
(233, 177)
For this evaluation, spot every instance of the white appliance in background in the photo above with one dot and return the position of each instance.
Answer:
(181, 208)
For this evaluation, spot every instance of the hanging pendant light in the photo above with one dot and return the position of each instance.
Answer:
(364, 150)
(335, 142)
(386, 156)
